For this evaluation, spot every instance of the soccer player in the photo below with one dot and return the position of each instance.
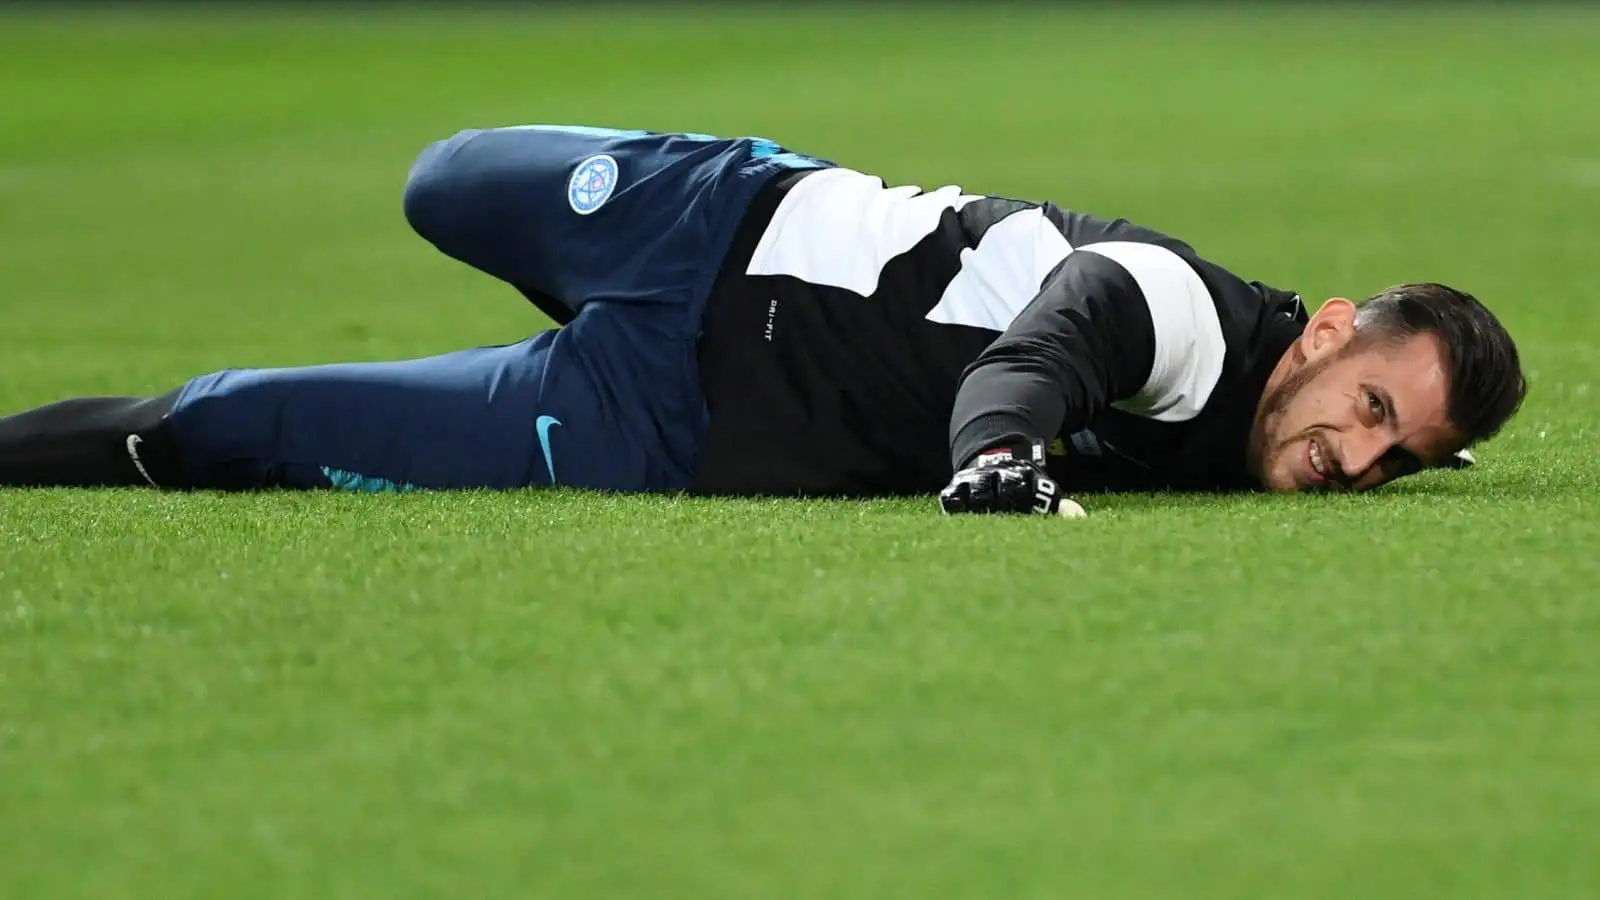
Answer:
(736, 318)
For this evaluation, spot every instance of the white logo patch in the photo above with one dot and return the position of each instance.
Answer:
(591, 184)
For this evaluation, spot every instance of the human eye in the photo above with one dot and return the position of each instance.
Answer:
(1375, 406)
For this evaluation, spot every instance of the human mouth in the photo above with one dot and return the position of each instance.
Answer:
(1317, 460)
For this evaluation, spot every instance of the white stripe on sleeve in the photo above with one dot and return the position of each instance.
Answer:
(1188, 335)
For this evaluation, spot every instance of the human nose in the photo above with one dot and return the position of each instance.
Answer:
(1360, 453)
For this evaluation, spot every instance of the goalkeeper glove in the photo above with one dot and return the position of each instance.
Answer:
(1000, 481)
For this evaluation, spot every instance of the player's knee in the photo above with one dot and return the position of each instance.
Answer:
(434, 185)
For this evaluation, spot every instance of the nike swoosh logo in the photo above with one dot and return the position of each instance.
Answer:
(133, 451)
(543, 425)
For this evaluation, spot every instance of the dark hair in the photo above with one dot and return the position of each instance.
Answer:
(1486, 384)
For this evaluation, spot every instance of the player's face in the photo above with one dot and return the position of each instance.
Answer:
(1352, 415)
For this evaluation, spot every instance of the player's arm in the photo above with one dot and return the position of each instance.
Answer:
(1116, 322)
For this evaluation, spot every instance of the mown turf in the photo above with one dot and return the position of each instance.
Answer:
(561, 695)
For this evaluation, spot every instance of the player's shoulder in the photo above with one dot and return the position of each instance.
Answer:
(1159, 262)
(1082, 229)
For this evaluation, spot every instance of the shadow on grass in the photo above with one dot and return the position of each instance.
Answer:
(1505, 483)
(1500, 484)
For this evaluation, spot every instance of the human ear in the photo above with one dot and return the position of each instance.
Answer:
(1327, 332)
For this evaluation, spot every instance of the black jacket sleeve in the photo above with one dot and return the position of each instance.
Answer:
(1086, 340)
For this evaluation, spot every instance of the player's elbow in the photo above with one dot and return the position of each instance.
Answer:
(434, 187)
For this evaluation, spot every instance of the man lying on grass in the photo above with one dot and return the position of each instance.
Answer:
(736, 318)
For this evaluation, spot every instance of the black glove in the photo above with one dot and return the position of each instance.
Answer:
(1001, 481)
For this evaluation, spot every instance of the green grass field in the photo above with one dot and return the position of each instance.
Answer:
(573, 696)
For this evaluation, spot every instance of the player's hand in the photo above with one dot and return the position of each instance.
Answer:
(999, 481)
